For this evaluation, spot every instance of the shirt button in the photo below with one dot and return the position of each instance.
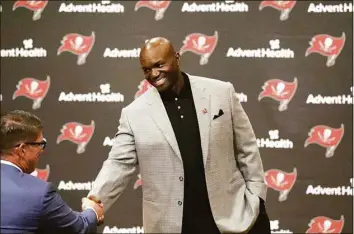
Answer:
(181, 116)
(179, 203)
(176, 99)
(181, 178)
(179, 107)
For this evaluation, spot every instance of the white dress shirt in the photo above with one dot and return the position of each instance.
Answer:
(11, 164)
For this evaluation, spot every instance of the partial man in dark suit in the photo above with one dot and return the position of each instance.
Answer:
(28, 204)
(196, 151)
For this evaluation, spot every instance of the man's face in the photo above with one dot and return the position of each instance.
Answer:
(160, 65)
(31, 153)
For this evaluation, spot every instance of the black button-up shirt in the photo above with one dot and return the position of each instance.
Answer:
(197, 216)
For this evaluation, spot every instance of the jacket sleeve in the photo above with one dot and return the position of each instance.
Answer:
(59, 217)
(117, 170)
(246, 149)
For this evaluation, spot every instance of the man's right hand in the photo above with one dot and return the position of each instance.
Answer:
(98, 207)
(95, 199)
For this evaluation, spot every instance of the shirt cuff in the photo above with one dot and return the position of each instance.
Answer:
(93, 211)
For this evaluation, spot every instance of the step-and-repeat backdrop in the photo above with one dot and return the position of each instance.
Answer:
(76, 65)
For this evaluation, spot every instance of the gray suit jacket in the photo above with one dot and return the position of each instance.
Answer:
(145, 139)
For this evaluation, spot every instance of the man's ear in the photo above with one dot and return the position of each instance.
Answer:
(20, 150)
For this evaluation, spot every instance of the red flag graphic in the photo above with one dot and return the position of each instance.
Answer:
(284, 7)
(77, 133)
(77, 44)
(281, 181)
(143, 87)
(42, 174)
(322, 224)
(326, 137)
(279, 90)
(200, 44)
(36, 6)
(279, 5)
(33, 89)
(31, 5)
(326, 45)
(159, 6)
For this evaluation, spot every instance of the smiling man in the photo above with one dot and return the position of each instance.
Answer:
(160, 64)
(196, 150)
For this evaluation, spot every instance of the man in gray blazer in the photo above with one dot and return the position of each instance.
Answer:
(196, 151)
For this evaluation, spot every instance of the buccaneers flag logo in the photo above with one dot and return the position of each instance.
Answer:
(142, 88)
(77, 133)
(328, 46)
(279, 90)
(42, 174)
(281, 181)
(33, 89)
(159, 6)
(200, 44)
(284, 7)
(326, 137)
(36, 6)
(322, 224)
(77, 44)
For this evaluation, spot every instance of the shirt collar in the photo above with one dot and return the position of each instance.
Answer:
(11, 164)
(185, 92)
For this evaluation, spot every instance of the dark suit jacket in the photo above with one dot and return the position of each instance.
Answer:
(30, 205)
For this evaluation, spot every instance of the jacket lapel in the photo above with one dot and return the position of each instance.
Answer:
(159, 116)
(202, 106)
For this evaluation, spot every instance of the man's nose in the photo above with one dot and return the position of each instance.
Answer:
(155, 72)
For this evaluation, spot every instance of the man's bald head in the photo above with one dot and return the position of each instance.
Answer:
(156, 41)
(160, 61)
(158, 45)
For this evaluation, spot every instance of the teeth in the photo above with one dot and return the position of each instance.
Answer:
(157, 82)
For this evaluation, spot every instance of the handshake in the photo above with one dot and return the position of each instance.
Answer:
(92, 202)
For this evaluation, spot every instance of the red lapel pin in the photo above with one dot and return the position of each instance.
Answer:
(204, 111)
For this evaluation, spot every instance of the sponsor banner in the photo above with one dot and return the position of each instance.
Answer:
(76, 64)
